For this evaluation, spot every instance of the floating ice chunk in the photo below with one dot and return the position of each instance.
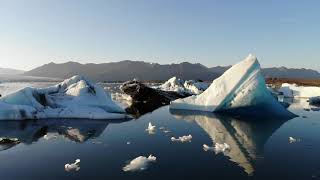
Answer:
(182, 138)
(183, 87)
(240, 89)
(128, 143)
(76, 97)
(73, 167)
(151, 128)
(140, 163)
(292, 140)
(293, 90)
(207, 148)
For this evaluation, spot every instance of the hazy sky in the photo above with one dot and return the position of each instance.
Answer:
(279, 32)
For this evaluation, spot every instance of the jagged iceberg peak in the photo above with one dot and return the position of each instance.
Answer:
(241, 89)
(76, 97)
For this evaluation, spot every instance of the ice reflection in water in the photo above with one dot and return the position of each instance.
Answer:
(28, 132)
(246, 137)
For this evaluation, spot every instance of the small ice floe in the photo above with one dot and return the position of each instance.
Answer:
(151, 128)
(293, 140)
(139, 164)
(182, 138)
(166, 131)
(73, 167)
(128, 143)
(207, 148)
(96, 142)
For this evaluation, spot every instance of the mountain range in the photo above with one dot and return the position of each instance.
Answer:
(127, 70)
(8, 71)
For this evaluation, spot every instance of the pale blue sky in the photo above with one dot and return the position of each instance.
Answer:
(279, 32)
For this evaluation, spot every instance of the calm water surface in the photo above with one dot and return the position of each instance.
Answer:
(259, 148)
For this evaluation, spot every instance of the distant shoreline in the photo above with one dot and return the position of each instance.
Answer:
(300, 82)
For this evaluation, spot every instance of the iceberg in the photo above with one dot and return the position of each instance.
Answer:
(73, 167)
(240, 90)
(188, 87)
(76, 97)
(293, 90)
(182, 139)
(139, 164)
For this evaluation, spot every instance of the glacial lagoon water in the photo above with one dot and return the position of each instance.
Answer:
(259, 148)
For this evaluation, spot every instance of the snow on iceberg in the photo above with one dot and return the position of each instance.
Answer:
(76, 97)
(183, 87)
(241, 89)
(293, 90)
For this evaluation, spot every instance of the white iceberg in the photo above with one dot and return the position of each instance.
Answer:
(151, 128)
(182, 138)
(183, 87)
(293, 90)
(73, 167)
(140, 163)
(76, 97)
(293, 140)
(240, 89)
(207, 148)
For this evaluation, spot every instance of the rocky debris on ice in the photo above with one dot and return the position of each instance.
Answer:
(240, 90)
(139, 164)
(73, 167)
(146, 99)
(293, 90)
(182, 139)
(9, 141)
(183, 87)
(314, 101)
(76, 97)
